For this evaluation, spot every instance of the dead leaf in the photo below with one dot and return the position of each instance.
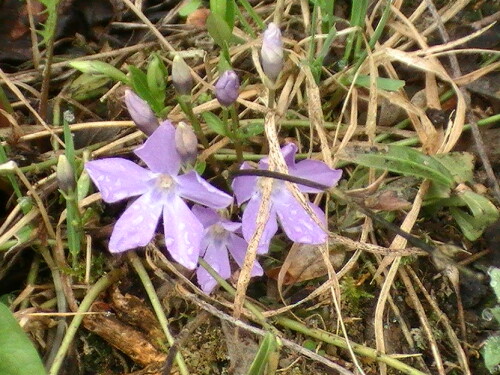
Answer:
(304, 262)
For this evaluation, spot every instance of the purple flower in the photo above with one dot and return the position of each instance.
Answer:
(227, 87)
(294, 219)
(161, 190)
(141, 113)
(219, 237)
(272, 51)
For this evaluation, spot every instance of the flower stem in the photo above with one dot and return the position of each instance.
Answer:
(340, 342)
(316, 333)
(235, 126)
(187, 107)
(73, 226)
(90, 297)
(224, 284)
(155, 302)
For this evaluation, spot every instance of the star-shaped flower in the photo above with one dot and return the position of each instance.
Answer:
(219, 237)
(161, 190)
(298, 225)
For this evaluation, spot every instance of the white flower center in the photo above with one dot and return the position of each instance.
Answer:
(218, 232)
(165, 182)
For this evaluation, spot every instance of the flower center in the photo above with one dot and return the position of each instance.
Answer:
(165, 182)
(218, 232)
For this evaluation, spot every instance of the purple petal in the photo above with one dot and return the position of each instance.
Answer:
(316, 171)
(206, 216)
(137, 225)
(159, 151)
(183, 232)
(289, 150)
(227, 88)
(244, 186)
(249, 221)
(230, 226)
(216, 256)
(297, 223)
(191, 186)
(238, 248)
(118, 178)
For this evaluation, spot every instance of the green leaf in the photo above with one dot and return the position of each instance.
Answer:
(215, 124)
(48, 29)
(156, 77)
(399, 159)
(88, 86)
(139, 83)
(251, 130)
(218, 7)
(230, 14)
(267, 347)
(200, 167)
(219, 30)
(460, 165)
(100, 67)
(18, 356)
(189, 8)
(387, 84)
(491, 353)
(484, 213)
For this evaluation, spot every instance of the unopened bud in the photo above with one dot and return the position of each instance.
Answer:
(186, 142)
(181, 76)
(64, 174)
(227, 88)
(272, 52)
(141, 113)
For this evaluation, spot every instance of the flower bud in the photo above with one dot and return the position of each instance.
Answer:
(272, 51)
(181, 76)
(141, 113)
(186, 142)
(64, 174)
(226, 88)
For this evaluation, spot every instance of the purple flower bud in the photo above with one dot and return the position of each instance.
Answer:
(186, 142)
(141, 113)
(181, 76)
(272, 51)
(226, 88)
(64, 174)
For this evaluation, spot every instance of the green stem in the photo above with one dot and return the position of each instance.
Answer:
(316, 333)
(235, 124)
(39, 167)
(73, 227)
(340, 342)
(102, 284)
(228, 288)
(155, 302)
(187, 107)
(31, 279)
(249, 8)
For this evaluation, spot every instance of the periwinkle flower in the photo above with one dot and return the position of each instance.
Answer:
(227, 88)
(186, 142)
(272, 51)
(294, 219)
(161, 190)
(181, 76)
(141, 113)
(220, 236)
